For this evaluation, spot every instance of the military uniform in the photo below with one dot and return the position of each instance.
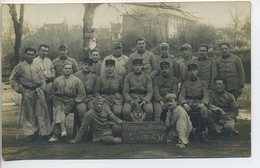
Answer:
(184, 74)
(207, 70)
(174, 65)
(29, 80)
(149, 62)
(96, 68)
(58, 63)
(231, 69)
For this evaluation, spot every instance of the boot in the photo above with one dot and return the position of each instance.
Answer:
(63, 130)
(203, 138)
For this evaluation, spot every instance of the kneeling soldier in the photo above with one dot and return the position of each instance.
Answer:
(163, 84)
(138, 91)
(109, 85)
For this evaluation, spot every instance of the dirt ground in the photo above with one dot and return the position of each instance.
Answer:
(221, 146)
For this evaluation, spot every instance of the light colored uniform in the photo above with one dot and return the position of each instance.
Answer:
(120, 64)
(25, 79)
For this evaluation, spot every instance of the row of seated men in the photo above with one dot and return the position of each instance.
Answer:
(136, 89)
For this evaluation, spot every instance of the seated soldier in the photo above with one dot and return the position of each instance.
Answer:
(88, 79)
(194, 96)
(177, 122)
(99, 119)
(224, 107)
(138, 91)
(67, 92)
(109, 85)
(163, 84)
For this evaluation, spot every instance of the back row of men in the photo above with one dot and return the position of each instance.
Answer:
(124, 83)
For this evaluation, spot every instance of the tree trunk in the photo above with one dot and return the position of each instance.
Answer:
(88, 32)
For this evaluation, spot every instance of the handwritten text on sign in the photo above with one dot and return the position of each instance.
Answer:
(143, 132)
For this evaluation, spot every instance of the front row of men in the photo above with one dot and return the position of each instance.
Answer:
(109, 97)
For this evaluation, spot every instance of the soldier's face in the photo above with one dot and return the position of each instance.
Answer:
(203, 52)
(164, 51)
(95, 56)
(138, 68)
(140, 45)
(172, 103)
(29, 56)
(63, 53)
(193, 73)
(117, 51)
(110, 69)
(224, 50)
(98, 106)
(186, 53)
(165, 70)
(67, 70)
(86, 67)
(43, 52)
(219, 86)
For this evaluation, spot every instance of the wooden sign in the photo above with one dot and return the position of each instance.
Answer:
(143, 132)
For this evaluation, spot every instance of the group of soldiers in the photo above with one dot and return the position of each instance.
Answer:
(141, 87)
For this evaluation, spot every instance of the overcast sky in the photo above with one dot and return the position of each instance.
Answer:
(213, 13)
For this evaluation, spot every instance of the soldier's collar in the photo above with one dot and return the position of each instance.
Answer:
(112, 76)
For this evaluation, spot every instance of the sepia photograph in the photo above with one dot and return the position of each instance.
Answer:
(126, 80)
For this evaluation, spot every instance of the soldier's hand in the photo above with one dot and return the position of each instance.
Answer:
(200, 105)
(186, 107)
(72, 141)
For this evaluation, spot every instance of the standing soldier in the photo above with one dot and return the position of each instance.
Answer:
(48, 70)
(207, 69)
(95, 56)
(187, 57)
(194, 96)
(231, 69)
(89, 80)
(27, 79)
(110, 85)
(163, 84)
(120, 60)
(63, 58)
(165, 56)
(138, 91)
(149, 61)
(67, 92)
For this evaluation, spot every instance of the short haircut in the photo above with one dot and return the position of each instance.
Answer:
(139, 39)
(225, 43)
(29, 49)
(66, 63)
(95, 49)
(204, 45)
(43, 45)
(222, 79)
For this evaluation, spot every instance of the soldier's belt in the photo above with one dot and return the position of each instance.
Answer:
(108, 92)
(90, 93)
(138, 91)
(194, 97)
(31, 88)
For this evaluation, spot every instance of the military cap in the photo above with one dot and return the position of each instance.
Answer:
(186, 46)
(63, 46)
(110, 62)
(170, 96)
(98, 99)
(164, 64)
(137, 61)
(192, 64)
(88, 61)
(66, 63)
(164, 45)
(117, 45)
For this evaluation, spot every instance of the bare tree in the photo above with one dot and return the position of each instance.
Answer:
(18, 29)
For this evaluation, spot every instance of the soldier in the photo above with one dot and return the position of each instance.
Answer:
(194, 96)
(67, 92)
(206, 66)
(27, 79)
(177, 121)
(120, 60)
(63, 58)
(98, 119)
(89, 80)
(149, 61)
(231, 69)
(110, 85)
(163, 84)
(187, 57)
(224, 107)
(138, 91)
(165, 56)
(95, 56)
(49, 73)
